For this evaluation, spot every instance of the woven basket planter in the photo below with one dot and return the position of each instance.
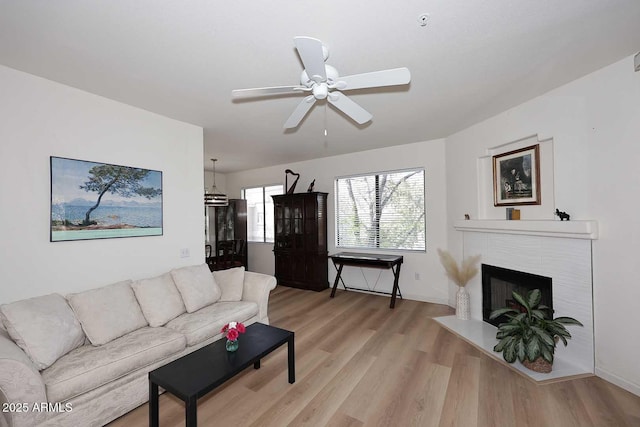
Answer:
(538, 365)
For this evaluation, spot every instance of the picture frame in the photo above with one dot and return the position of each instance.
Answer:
(92, 200)
(516, 177)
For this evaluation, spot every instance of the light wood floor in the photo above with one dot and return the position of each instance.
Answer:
(358, 363)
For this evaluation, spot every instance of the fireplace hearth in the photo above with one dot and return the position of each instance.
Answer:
(499, 283)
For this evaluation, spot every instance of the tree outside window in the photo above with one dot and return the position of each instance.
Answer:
(385, 210)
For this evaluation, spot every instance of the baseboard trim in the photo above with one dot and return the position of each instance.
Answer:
(620, 382)
(413, 297)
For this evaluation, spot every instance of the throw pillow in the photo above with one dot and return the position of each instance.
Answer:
(159, 299)
(196, 286)
(108, 312)
(231, 283)
(44, 327)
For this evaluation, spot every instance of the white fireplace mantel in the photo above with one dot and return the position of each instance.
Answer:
(548, 228)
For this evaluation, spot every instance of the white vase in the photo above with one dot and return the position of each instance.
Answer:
(463, 307)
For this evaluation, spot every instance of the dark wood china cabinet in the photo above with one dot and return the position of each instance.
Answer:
(300, 241)
(228, 235)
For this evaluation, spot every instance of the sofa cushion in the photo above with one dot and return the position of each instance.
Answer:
(231, 283)
(207, 322)
(108, 312)
(197, 286)
(159, 299)
(44, 327)
(89, 367)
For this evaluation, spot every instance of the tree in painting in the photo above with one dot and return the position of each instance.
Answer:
(120, 180)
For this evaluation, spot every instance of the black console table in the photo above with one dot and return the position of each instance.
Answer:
(392, 262)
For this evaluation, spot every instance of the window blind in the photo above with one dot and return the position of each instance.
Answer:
(384, 210)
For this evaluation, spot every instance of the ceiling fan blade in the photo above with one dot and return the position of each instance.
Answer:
(350, 108)
(310, 51)
(264, 91)
(396, 76)
(301, 110)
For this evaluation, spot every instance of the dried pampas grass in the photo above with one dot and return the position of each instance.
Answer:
(462, 275)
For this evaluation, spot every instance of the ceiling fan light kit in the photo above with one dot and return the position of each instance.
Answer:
(324, 82)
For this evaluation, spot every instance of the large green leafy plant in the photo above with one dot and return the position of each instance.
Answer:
(530, 333)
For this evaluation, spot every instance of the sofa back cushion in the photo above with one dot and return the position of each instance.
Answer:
(159, 299)
(197, 286)
(44, 327)
(231, 283)
(107, 313)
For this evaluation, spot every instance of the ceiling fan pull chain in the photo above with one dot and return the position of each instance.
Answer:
(325, 123)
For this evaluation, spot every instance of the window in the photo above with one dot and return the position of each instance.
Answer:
(384, 210)
(260, 212)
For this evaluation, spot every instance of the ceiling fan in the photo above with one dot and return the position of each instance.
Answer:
(324, 82)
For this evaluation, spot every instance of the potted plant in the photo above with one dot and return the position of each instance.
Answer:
(461, 277)
(531, 334)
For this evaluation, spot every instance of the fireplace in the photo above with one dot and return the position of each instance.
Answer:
(498, 284)
(552, 249)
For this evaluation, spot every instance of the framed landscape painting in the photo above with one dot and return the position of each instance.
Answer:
(516, 177)
(91, 200)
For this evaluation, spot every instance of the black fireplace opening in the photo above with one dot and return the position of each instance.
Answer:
(498, 284)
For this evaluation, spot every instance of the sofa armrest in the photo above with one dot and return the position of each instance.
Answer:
(20, 383)
(256, 288)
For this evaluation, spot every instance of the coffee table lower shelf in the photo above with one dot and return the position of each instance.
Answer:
(198, 373)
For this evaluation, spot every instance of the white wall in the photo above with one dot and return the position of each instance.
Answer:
(40, 118)
(595, 126)
(432, 284)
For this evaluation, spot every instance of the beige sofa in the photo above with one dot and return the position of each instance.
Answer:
(83, 360)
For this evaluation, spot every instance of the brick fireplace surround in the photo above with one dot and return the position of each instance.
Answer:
(557, 249)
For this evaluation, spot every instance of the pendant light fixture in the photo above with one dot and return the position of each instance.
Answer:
(214, 198)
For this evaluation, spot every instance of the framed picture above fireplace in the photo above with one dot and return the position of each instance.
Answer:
(516, 177)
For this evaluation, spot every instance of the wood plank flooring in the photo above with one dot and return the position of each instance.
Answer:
(358, 363)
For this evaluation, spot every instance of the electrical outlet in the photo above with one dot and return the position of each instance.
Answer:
(184, 253)
(417, 276)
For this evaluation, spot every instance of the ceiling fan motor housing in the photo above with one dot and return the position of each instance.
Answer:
(320, 89)
(331, 72)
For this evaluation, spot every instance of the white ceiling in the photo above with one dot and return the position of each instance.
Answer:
(181, 59)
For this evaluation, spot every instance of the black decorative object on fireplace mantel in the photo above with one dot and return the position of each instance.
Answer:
(563, 215)
(498, 284)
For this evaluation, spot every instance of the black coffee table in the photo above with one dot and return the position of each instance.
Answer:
(197, 373)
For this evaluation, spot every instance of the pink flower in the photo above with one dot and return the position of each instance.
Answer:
(232, 334)
(233, 330)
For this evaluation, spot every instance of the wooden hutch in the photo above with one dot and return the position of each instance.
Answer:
(300, 241)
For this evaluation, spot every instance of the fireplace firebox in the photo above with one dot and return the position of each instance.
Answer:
(498, 284)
